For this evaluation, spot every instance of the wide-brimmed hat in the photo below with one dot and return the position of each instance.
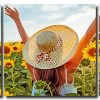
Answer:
(51, 47)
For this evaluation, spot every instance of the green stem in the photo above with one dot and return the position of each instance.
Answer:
(83, 77)
(13, 80)
(91, 89)
(92, 70)
(50, 90)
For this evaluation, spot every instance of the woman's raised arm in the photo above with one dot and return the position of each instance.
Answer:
(15, 16)
(74, 62)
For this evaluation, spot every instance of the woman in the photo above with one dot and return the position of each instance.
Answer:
(60, 76)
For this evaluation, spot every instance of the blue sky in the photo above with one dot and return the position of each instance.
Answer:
(35, 17)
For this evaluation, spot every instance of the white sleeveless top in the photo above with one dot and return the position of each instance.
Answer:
(64, 89)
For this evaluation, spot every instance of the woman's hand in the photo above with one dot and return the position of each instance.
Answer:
(12, 13)
(15, 16)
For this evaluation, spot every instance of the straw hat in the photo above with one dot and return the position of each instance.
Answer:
(51, 47)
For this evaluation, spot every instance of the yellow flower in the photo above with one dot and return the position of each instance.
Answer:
(99, 50)
(9, 63)
(0, 92)
(0, 48)
(6, 93)
(23, 59)
(99, 45)
(9, 43)
(21, 45)
(24, 64)
(17, 47)
(0, 62)
(7, 50)
(90, 52)
(99, 59)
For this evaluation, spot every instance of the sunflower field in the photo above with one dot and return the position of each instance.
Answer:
(0, 79)
(18, 80)
(99, 64)
(0, 82)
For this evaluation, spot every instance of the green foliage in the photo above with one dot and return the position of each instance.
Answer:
(18, 80)
(45, 88)
(40, 84)
(72, 94)
(0, 75)
(85, 79)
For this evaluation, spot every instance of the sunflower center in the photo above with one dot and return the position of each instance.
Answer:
(6, 49)
(21, 42)
(0, 50)
(9, 65)
(92, 52)
(15, 48)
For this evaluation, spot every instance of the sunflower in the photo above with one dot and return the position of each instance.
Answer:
(24, 64)
(99, 44)
(0, 63)
(9, 63)
(90, 52)
(21, 42)
(21, 45)
(23, 59)
(7, 50)
(6, 93)
(17, 48)
(0, 92)
(0, 48)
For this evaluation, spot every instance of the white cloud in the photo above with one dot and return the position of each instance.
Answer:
(80, 21)
(69, 6)
(75, 17)
(55, 16)
(87, 9)
(50, 8)
(28, 22)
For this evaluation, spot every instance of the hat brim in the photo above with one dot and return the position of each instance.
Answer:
(69, 42)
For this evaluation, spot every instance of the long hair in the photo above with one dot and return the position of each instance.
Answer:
(56, 76)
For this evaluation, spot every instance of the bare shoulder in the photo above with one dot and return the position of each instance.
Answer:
(71, 66)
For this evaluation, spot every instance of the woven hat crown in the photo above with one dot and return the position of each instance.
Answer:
(51, 47)
(46, 41)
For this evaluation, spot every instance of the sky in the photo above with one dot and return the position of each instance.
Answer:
(35, 17)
